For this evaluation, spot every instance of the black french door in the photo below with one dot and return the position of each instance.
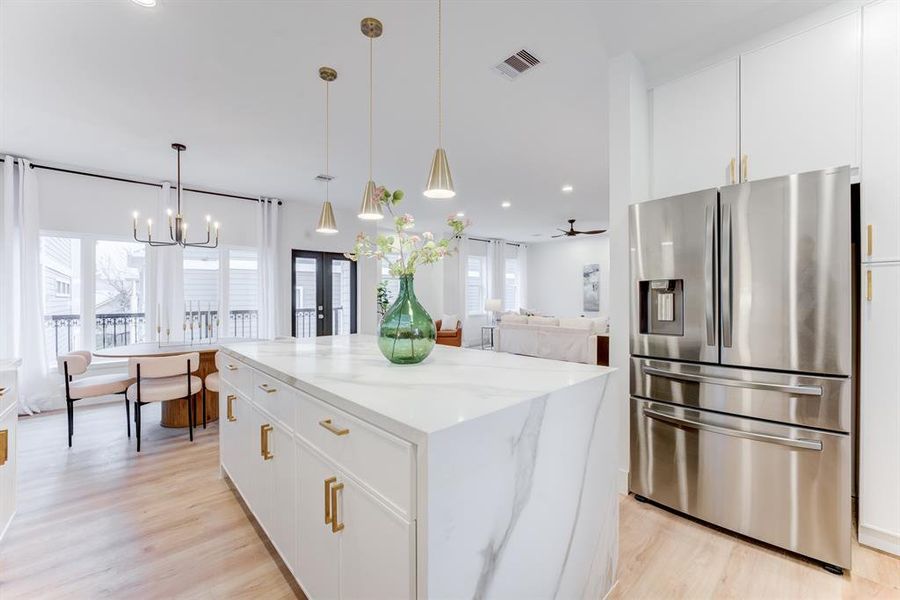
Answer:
(323, 298)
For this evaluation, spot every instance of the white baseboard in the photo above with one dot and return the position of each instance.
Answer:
(886, 541)
(623, 482)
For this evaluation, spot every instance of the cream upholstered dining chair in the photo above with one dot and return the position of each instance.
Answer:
(161, 379)
(78, 388)
(211, 383)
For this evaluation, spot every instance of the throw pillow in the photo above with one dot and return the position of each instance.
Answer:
(551, 321)
(600, 324)
(576, 323)
(514, 318)
(449, 322)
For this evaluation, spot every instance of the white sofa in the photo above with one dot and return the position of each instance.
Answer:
(573, 340)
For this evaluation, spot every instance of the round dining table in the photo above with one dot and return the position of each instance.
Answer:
(175, 412)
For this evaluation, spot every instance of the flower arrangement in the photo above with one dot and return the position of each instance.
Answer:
(410, 250)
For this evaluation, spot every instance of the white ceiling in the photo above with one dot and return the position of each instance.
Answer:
(107, 86)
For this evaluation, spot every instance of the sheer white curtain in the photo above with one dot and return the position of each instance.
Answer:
(522, 261)
(22, 310)
(166, 294)
(269, 294)
(496, 269)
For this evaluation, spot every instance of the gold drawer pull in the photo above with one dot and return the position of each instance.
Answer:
(327, 424)
(231, 367)
(264, 441)
(4, 446)
(335, 524)
(328, 483)
(267, 388)
(230, 407)
(869, 240)
(744, 162)
(731, 171)
(869, 285)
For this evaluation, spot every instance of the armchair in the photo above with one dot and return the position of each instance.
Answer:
(451, 337)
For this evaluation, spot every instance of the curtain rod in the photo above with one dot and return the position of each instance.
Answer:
(489, 241)
(148, 183)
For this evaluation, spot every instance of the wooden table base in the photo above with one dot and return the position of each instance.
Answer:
(175, 412)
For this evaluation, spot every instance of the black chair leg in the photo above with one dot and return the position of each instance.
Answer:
(204, 407)
(137, 424)
(192, 405)
(70, 409)
(128, 416)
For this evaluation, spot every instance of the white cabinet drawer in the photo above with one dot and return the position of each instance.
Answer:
(7, 389)
(275, 397)
(237, 374)
(380, 460)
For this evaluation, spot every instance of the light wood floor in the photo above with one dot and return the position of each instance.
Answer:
(101, 521)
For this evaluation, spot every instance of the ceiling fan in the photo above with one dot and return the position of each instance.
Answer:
(572, 232)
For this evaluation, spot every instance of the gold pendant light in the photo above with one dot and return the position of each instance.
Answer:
(440, 182)
(370, 209)
(327, 224)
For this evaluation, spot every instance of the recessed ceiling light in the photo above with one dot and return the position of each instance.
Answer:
(506, 204)
(460, 214)
(145, 3)
(567, 188)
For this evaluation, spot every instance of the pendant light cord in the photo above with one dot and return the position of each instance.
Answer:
(371, 86)
(439, 82)
(327, 137)
(179, 182)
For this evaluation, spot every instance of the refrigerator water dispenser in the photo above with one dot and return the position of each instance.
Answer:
(662, 306)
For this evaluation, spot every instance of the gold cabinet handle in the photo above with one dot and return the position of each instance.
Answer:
(869, 240)
(231, 367)
(267, 388)
(869, 285)
(4, 446)
(336, 525)
(327, 424)
(731, 170)
(744, 161)
(230, 407)
(328, 482)
(264, 441)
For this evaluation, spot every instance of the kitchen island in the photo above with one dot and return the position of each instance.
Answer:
(472, 475)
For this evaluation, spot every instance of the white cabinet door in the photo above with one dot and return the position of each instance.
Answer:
(695, 131)
(319, 558)
(880, 169)
(879, 408)
(281, 486)
(8, 469)
(377, 548)
(228, 430)
(799, 101)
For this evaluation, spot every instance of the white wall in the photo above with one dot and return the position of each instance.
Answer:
(555, 275)
(629, 161)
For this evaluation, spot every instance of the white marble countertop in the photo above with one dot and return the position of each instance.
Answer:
(451, 386)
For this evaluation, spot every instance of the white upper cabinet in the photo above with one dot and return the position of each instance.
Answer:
(695, 131)
(880, 169)
(799, 101)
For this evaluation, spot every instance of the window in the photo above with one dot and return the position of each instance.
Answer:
(201, 291)
(512, 279)
(119, 288)
(476, 284)
(392, 281)
(61, 277)
(242, 297)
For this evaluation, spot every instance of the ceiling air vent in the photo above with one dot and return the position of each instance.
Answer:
(517, 64)
(324, 177)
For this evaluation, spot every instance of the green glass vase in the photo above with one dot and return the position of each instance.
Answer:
(406, 335)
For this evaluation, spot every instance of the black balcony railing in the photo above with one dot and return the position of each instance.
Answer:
(305, 321)
(121, 329)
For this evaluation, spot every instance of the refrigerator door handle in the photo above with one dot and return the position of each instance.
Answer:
(803, 390)
(710, 275)
(727, 289)
(750, 435)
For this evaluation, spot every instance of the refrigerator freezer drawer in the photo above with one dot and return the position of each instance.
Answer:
(786, 486)
(807, 401)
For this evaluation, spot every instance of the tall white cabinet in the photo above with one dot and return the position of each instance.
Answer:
(879, 427)
(8, 421)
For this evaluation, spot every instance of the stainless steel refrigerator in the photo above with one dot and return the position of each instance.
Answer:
(742, 356)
